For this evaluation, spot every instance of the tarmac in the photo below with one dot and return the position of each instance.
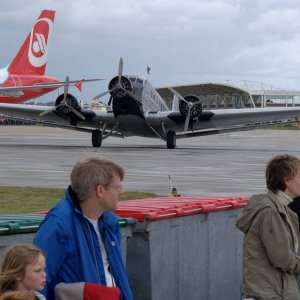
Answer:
(230, 164)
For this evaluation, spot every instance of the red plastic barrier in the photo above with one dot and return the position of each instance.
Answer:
(160, 208)
(172, 207)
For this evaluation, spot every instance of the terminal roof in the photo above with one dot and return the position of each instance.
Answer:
(204, 89)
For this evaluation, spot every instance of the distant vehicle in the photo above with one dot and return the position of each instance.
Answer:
(24, 78)
(137, 109)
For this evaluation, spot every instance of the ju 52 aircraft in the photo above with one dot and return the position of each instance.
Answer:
(137, 109)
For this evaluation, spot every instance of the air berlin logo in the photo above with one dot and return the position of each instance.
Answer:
(38, 45)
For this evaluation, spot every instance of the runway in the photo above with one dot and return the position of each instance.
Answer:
(229, 164)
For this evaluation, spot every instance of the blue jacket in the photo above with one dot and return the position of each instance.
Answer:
(72, 247)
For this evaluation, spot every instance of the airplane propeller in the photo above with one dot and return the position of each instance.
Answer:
(110, 100)
(190, 105)
(118, 86)
(120, 70)
(64, 103)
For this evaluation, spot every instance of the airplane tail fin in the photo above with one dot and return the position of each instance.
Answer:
(32, 56)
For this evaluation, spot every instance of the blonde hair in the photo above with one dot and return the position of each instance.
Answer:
(93, 171)
(19, 295)
(14, 262)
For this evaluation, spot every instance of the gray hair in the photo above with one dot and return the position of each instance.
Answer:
(93, 171)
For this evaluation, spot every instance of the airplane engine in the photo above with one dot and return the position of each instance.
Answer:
(192, 103)
(63, 109)
(69, 108)
(117, 88)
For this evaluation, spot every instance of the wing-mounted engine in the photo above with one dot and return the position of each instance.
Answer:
(193, 104)
(63, 106)
(67, 106)
(190, 107)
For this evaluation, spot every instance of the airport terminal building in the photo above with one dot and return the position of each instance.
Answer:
(235, 95)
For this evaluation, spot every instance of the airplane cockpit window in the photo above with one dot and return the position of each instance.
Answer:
(138, 90)
(140, 81)
(137, 84)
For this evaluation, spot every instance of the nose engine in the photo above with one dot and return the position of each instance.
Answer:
(117, 86)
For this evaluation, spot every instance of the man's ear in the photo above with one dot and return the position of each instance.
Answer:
(99, 190)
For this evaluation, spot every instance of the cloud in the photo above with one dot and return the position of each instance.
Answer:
(182, 41)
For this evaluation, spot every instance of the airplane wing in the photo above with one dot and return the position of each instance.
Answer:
(17, 90)
(209, 122)
(166, 125)
(231, 120)
(31, 113)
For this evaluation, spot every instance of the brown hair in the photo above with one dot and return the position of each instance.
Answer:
(14, 262)
(279, 169)
(19, 295)
(93, 171)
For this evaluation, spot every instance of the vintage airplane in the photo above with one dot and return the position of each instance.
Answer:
(137, 109)
(24, 78)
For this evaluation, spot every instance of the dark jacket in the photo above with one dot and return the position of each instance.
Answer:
(295, 207)
(72, 247)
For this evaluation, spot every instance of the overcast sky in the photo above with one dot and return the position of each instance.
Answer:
(183, 42)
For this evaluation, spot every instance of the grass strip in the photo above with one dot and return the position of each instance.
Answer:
(14, 200)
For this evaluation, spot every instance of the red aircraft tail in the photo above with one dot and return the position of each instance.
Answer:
(32, 57)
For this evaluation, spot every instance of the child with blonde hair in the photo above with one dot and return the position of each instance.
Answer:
(23, 269)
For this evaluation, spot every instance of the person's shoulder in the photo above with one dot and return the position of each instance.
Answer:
(110, 219)
(62, 209)
(259, 197)
(58, 218)
(110, 215)
(260, 201)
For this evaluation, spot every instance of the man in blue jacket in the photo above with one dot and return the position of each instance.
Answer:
(80, 235)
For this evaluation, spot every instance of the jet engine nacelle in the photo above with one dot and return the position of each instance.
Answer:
(193, 102)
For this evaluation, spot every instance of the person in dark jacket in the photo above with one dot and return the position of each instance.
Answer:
(80, 235)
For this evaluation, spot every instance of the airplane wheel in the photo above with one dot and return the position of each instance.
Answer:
(171, 139)
(96, 138)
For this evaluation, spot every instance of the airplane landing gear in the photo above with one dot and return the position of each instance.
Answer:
(96, 138)
(73, 122)
(171, 139)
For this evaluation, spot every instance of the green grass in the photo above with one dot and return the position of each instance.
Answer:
(283, 127)
(14, 200)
